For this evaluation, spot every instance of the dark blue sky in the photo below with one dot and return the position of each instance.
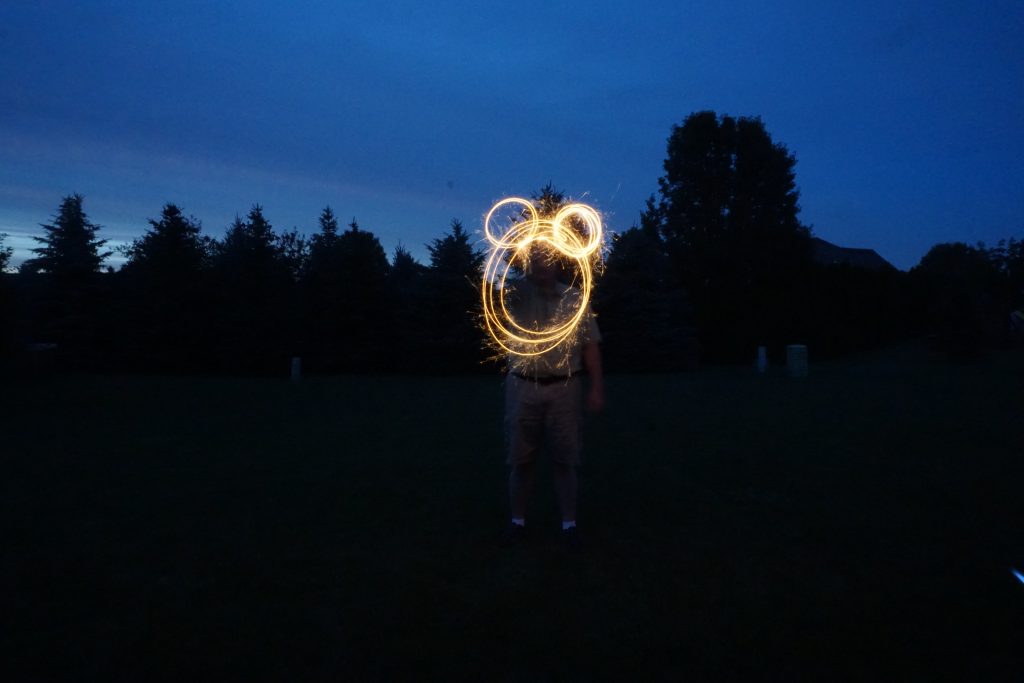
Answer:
(904, 116)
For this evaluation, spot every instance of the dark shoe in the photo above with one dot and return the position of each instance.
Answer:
(570, 538)
(514, 534)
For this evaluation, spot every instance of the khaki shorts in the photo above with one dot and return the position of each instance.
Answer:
(543, 416)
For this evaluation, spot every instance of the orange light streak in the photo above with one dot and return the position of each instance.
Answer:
(513, 245)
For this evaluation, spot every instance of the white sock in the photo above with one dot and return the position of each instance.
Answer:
(569, 525)
(519, 521)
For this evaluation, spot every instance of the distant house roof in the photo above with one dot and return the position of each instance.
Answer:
(830, 254)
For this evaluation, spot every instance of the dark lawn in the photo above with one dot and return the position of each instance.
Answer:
(857, 525)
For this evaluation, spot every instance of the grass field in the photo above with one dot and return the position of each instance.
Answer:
(860, 524)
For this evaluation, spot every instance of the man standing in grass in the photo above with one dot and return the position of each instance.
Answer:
(544, 393)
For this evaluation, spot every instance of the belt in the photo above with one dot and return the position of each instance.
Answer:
(545, 379)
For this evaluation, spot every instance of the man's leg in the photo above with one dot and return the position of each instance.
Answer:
(563, 427)
(520, 488)
(565, 488)
(524, 429)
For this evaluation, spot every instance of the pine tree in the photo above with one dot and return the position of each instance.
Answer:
(347, 299)
(6, 300)
(172, 246)
(453, 256)
(320, 287)
(411, 325)
(166, 293)
(254, 289)
(364, 305)
(406, 272)
(646, 319)
(70, 300)
(5, 253)
(71, 252)
(251, 254)
(295, 250)
(453, 302)
(324, 241)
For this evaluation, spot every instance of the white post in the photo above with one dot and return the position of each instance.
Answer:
(762, 360)
(296, 368)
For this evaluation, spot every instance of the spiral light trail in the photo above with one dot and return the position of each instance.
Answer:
(513, 245)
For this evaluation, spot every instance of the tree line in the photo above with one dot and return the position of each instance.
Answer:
(186, 302)
(717, 264)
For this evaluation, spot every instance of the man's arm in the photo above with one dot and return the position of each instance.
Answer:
(592, 361)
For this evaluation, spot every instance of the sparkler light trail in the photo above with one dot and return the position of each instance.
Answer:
(513, 246)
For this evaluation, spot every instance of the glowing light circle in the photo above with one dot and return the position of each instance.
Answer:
(513, 246)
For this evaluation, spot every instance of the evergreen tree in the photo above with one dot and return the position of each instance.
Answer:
(452, 256)
(406, 272)
(254, 286)
(323, 248)
(646, 319)
(166, 293)
(453, 301)
(321, 288)
(325, 240)
(170, 246)
(69, 300)
(71, 252)
(251, 255)
(6, 300)
(5, 253)
(411, 326)
(295, 250)
(548, 200)
(361, 255)
(364, 303)
(347, 299)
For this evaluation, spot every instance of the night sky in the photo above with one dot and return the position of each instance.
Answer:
(905, 117)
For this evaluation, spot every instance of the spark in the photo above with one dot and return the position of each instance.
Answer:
(513, 245)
